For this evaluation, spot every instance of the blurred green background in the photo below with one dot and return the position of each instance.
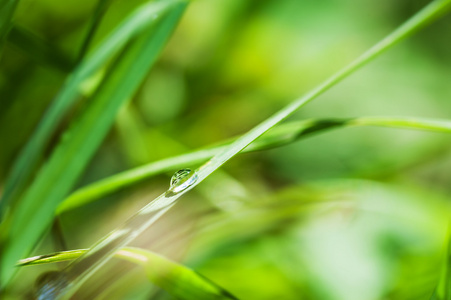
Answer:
(354, 213)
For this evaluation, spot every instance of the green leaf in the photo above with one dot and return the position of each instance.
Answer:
(176, 279)
(30, 155)
(58, 175)
(51, 258)
(276, 137)
(99, 12)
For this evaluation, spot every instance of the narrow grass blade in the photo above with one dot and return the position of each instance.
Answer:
(30, 155)
(57, 177)
(51, 258)
(431, 12)
(178, 280)
(99, 12)
(276, 137)
(7, 9)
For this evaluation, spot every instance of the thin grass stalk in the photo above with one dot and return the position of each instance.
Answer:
(278, 136)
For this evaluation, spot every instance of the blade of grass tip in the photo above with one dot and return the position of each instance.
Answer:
(99, 12)
(51, 258)
(277, 136)
(39, 50)
(30, 155)
(81, 269)
(7, 9)
(178, 280)
(58, 175)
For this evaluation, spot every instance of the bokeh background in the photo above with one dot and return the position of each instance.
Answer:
(354, 213)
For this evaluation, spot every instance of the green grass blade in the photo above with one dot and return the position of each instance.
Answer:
(57, 176)
(178, 280)
(425, 16)
(33, 151)
(99, 12)
(276, 137)
(407, 123)
(51, 258)
(7, 9)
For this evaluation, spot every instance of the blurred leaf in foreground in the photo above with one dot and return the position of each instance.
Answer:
(176, 279)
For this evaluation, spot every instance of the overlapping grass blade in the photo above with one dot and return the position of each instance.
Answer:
(99, 12)
(57, 176)
(276, 137)
(178, 280)
(33, 151)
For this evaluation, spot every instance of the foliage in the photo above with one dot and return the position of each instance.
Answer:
(356, 213)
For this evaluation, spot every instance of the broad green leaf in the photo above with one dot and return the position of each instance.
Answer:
(178, 280)
(275, 137)
(30, 155)
(58, 175)
(51, 258)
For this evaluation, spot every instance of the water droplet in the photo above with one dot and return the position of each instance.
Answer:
(181, 180)
(50, 285)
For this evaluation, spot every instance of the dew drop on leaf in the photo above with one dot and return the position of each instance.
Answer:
(181, 180)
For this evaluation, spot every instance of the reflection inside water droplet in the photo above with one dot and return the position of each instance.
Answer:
(181, 180)
(50, 285)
